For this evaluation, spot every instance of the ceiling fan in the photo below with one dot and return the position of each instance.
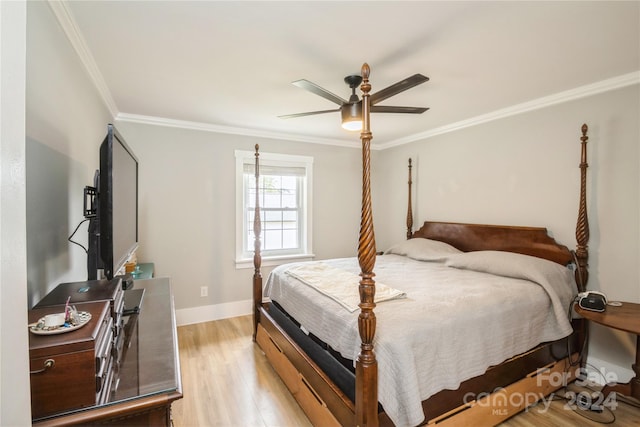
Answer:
(351, 109)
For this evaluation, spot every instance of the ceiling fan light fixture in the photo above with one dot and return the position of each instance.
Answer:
(352, 116)
(351, 110)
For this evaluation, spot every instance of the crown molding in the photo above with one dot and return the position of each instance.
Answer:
(229, 130)
(536, 104)
(72, 31)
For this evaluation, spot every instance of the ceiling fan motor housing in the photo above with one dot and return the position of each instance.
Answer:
(353, 80)
(351, 110)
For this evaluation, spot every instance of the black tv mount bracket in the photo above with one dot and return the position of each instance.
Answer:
(90, 194)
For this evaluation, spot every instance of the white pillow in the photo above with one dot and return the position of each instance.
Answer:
(422, 249)
(509, 264)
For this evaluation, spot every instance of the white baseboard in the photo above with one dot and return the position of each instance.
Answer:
(207, 313)
(607, 371)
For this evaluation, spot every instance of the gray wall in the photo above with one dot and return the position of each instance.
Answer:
(188, 200)
(523, 170)
(66, 122)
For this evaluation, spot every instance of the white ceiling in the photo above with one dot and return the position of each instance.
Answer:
(228, 66)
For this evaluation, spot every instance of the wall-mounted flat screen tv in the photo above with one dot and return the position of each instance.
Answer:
(117, 203)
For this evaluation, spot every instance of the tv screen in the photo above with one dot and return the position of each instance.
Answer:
(117, 202)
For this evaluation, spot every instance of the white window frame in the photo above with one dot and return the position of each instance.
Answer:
(244, 255)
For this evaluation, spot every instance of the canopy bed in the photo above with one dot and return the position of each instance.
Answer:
(473, 319)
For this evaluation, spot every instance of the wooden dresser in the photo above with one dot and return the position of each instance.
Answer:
(143, 385)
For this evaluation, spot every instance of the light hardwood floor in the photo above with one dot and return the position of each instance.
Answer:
(228, 382)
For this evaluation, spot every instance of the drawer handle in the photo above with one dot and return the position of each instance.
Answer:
(275, 344)
(49, 363)
(312, 391)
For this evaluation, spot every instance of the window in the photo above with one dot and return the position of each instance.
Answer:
(284, 194)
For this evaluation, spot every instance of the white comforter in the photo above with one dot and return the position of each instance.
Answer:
(453, 324)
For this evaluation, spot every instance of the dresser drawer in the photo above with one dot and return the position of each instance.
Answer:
(67, 384)
(106, 384)
(104, 350)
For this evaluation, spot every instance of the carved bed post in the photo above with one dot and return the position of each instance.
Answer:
(409, 207)
(257, 257)
(366, 364)
(582, 226)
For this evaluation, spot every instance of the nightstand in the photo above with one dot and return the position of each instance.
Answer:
(625, 318)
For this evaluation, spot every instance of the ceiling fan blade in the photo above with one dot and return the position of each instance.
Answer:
(390, 109)
(396, 88)
(314, 88)
(310, 113)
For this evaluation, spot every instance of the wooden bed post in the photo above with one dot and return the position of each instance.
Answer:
(409, 207)
(582, 227)
(257, 257)
(366, 363)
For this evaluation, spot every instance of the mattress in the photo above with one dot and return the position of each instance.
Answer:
(454, 316)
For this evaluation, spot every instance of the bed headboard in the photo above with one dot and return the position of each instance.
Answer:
(533, 241)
